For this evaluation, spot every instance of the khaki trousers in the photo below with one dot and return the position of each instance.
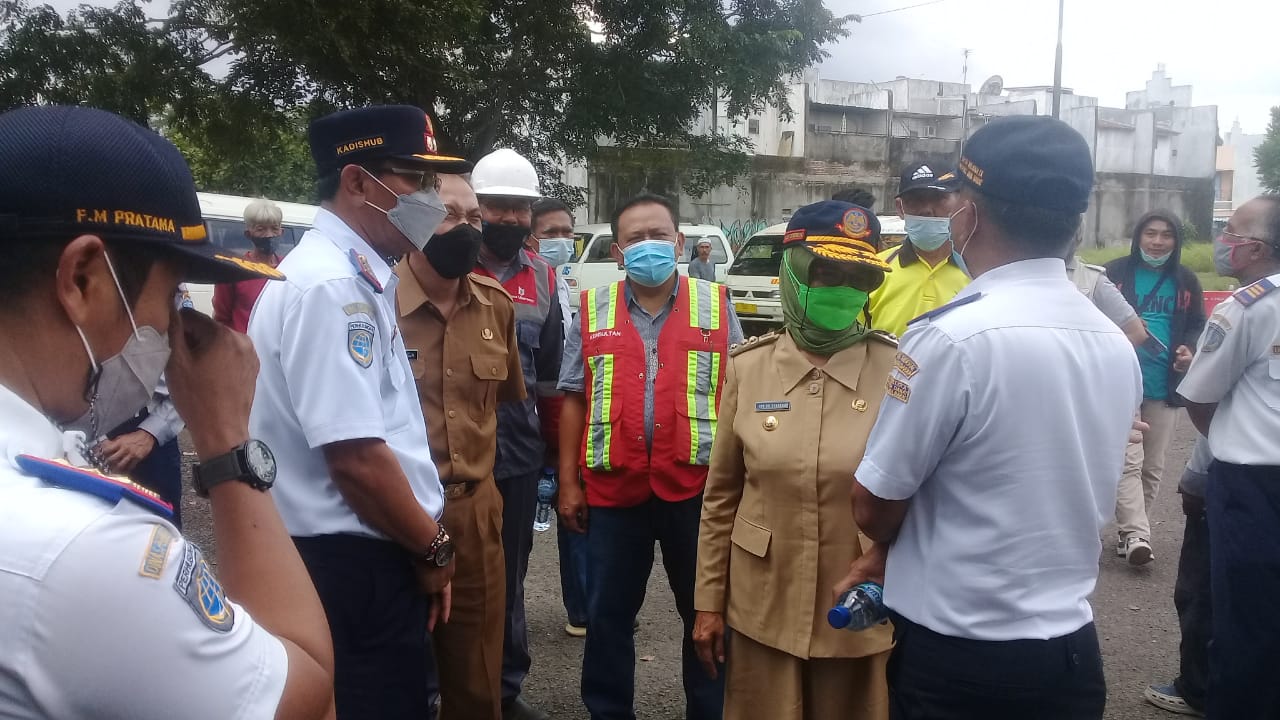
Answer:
(763, 682)
(469, 646)
(1143, 468)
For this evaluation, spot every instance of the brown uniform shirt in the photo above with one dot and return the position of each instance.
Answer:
(777, 531)
(463, 368)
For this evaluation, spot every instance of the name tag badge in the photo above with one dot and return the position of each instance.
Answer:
(773, 406)
(413, 354)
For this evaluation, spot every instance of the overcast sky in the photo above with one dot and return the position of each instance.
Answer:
(1227, 50)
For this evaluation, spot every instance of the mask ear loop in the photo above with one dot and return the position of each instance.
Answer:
(119, 289)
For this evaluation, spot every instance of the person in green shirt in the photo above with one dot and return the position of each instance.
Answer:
(923, 274)
(1168, 298)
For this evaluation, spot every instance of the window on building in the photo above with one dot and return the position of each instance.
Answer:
(753, 126)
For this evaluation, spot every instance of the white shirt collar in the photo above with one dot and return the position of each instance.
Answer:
(346, 240)
(24, 430)
(1035, 269)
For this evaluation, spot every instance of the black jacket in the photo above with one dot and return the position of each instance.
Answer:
(1188, 315)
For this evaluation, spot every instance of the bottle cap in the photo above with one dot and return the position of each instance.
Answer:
(839, 617)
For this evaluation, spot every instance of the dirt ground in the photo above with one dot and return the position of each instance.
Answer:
(1133, 607)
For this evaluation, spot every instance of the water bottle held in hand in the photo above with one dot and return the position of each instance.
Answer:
(546, 513)
(859, 608)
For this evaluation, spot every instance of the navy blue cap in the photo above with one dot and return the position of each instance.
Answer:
(400, 132)
(76, 170)
(921, 176)
(1030, 160)
(838, 231)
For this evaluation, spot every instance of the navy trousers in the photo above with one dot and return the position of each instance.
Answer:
(1193, 600)
(519, 504)
(1244, 567)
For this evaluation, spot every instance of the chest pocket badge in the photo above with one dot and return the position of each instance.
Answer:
(360, 342)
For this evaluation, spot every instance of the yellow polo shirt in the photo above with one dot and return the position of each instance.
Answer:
(912, 289)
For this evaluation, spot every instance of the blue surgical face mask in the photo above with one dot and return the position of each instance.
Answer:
(928, 233)
(1154, 261)
(650, 262)
(957, 253)
(555, 251)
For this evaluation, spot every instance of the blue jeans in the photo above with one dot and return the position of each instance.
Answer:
(619, 560)
(573, 574)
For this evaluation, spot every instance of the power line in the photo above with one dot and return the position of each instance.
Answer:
(894, 10)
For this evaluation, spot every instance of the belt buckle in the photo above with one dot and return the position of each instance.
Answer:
(456, 490)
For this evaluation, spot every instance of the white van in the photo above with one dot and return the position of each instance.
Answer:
(593, 266)
(224, 216)
(753, 276)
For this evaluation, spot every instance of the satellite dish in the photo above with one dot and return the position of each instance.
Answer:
(993, 86)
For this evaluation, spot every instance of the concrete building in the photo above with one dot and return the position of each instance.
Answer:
(851, 134)
(1236, 158)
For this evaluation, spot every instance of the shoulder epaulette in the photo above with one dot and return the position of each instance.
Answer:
(753, 342)
(111, 488)
(936, 312)
(1251, 294)
(488, 282)
(361, 264)
(887, 338)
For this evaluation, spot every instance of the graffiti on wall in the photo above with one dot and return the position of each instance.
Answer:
(738, 231)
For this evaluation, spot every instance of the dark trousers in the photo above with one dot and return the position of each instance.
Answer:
(1192, 598)
(619, 559)
(161, 471)
(378, 620)
(519, 504)
(938, 677)
(573, 573)
(1244, 566)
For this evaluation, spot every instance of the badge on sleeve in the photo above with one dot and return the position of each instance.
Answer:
(196, 585)
(903, 363)
(1214, 334)
(360, 342)
(897, 389)
(157, 555)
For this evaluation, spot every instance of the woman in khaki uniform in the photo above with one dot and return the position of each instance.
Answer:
(777, 534)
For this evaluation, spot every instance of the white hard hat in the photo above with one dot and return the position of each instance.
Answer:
(505, 173)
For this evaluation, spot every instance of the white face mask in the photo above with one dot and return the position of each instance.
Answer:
(123, 384)
(556, 251)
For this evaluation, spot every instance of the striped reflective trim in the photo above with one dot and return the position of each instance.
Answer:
(700, 397)
(704, 305)
(601, 308)
(599, 429)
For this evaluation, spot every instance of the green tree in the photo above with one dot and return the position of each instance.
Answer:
(1266, 157)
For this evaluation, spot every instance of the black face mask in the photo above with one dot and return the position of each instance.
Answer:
(504, 241)
(453, 254)
(265, 246)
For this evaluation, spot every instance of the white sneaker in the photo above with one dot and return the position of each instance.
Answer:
(1137, 550)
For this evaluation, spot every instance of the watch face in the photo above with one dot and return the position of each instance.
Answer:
(261, 461)
(444, 554)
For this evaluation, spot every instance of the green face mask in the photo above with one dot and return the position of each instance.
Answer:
(821, 320)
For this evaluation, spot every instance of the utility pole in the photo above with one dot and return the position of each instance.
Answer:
(1057, 68)
(964, 72)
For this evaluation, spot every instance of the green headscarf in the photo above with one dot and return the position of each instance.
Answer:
(823, 320)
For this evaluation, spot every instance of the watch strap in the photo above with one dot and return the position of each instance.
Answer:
(219, 469)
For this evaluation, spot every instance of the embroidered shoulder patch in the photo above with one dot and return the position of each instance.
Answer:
(898, 390)
(1214, 334)
(903, 363)
(196, 585)
(157, 555)
(360, 342)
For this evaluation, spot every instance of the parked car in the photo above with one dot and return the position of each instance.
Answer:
(753, 276)
(593, 266)
(224, 216)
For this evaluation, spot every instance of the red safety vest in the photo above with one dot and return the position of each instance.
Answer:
(692, 347)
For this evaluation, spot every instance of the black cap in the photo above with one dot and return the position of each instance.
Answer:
(920, 176)
(400, 132)
(838, 231)
(76, 170)
(1030, 160)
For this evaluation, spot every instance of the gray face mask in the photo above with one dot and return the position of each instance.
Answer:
(123, 384)
(416, 215)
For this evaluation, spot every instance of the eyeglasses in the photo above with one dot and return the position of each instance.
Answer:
(1246, 238)
(426, 179)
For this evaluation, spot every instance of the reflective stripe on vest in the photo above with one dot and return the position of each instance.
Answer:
(703, 371)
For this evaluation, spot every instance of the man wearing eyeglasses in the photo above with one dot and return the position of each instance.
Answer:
(232, 302)
(336, 401)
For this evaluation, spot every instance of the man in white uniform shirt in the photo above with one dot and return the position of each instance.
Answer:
(1233, 394)
(988, 475)
(336, 400)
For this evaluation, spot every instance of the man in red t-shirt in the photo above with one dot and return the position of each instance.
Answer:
(232, 302)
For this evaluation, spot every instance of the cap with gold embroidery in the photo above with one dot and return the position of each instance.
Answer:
(400, 132)
(1030, 160)
(837, 231)
(76, 170)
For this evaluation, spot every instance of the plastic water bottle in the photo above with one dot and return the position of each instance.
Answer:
(861, 607)
(545, 514)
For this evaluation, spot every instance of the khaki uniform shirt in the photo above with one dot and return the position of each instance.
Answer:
(777, 530)
(462, 368)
